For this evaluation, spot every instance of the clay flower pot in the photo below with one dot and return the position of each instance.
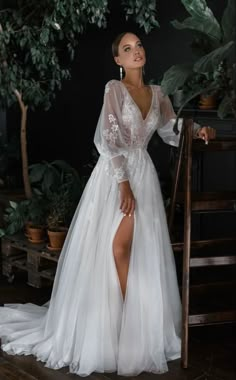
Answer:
(208, 101)
(57, 238)
(36, 234)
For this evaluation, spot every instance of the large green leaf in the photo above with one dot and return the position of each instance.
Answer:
(229, 21)
(51, 179)
(202, 20)
(210, 61)
(191, 95)
(225, 107)
(36, 172)
(13, 204)
(2, 232)
(63, 166)
(175, 77)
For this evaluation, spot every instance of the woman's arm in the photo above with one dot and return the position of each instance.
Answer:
(168, 119)
(111, 142)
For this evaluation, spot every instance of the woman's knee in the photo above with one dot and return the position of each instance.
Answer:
(123, 239)
(121, 252)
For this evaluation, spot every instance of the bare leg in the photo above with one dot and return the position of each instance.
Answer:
(121, 249)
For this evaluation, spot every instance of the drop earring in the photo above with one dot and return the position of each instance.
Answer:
(121, 73)
(143, 70)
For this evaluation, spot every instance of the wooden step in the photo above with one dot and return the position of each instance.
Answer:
(217, 145)
(212, 318)
(212, 303)
(198, 244)
(212, 261)
(206, 258)
(211, 201)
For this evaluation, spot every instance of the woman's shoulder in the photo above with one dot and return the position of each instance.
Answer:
(159, 91)
(157, 88)
(113, 85)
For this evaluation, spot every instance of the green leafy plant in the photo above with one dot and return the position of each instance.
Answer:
(60, 184)
(57, 188)
(15, 216)
(37, 210)
(143, 12)
(61, 209)
(214, 47)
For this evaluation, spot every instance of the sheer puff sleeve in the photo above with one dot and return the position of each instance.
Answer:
(167, 120)
(109, 139)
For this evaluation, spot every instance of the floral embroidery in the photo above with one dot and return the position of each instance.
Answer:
(111, 118)
(111, 134)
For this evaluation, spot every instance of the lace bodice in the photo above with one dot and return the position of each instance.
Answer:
(121, 127)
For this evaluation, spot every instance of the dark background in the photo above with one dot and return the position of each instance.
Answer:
(66, 131)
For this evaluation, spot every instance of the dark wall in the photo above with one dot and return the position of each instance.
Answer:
(66, 131)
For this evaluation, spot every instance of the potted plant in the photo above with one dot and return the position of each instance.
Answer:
(27, 215)
(62, 205)
(213, 71)
(35, 226)
(58, 218)
(54, 184)
(61, 187)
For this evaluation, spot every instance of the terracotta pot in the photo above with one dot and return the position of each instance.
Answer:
(208, 101)
(57, 238)
(36, 234)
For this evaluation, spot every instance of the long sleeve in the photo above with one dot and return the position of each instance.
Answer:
(109, 137)
(167, 121)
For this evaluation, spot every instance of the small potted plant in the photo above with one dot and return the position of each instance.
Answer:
(57, 188)
(36, 223)
(28, 216)
(58, 218)
(61, 187)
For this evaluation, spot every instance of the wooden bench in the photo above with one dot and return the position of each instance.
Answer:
(18, 254)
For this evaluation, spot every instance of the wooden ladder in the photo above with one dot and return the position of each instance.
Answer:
(199, 202)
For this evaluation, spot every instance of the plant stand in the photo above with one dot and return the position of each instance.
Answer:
(18, 254)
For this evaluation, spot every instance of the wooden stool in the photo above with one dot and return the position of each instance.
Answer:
(199, 202)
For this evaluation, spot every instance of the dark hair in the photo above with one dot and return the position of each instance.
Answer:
(116, 43)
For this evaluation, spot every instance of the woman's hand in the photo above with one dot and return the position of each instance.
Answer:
(127, 201)
(206, 133)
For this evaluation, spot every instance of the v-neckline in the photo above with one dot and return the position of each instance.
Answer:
(146, 117)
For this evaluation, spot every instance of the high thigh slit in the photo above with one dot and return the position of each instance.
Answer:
(119, 241)
(87, 325)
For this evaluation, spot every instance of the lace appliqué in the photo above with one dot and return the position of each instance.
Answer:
(119, 174)
(107, 89)
(111, 134)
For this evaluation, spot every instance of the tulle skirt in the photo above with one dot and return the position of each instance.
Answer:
(87, 325)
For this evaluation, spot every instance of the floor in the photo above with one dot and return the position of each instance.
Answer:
(212, 351)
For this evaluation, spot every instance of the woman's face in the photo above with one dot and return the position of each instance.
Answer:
(131, 52)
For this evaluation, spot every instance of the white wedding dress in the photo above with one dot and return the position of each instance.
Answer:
(87, 325)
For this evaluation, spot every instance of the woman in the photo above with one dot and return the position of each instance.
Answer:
(115, 303)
